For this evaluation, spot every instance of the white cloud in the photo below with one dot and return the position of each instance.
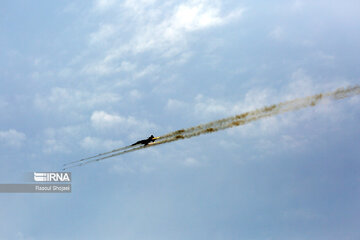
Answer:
(277, 33)
(102, 120)
(298, 5)
(169, 34)
(181, 58)
(161, 27)
(194, 16)
(296, 143)
(107, 66)
(54, 146)
(191, 162)
(355, 101)
(63, 99)
(12, 138)
(105, 31)
(205, 107)
(61, 140)
(92, 143)
(138, 7)
(325, 57)
(175, 105)
(146, 71)
(302, 84)
(135, 94)
(103, 5)
(209, 106)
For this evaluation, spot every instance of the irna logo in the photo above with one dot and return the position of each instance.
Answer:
(52, 176)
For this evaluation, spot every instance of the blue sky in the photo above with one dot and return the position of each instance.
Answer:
(82, 77)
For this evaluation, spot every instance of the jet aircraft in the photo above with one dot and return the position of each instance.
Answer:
(146, 141)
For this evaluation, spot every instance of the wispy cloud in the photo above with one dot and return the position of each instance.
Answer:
(104, 32)
(65, 99)
(298, 5)
(93, 143)
(163, 28)
(191, 162)
(277, 33)
(104, 121)
(103, 5)
(54, 146)
(12, 138)
(61, 140)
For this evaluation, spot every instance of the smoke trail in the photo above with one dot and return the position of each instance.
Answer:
(282, 107)
(109, 156)
(241, 119)
(98, 155)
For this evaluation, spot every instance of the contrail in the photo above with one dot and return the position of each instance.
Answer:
(238, 120)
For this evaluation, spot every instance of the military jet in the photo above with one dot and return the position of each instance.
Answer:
(146, 141)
